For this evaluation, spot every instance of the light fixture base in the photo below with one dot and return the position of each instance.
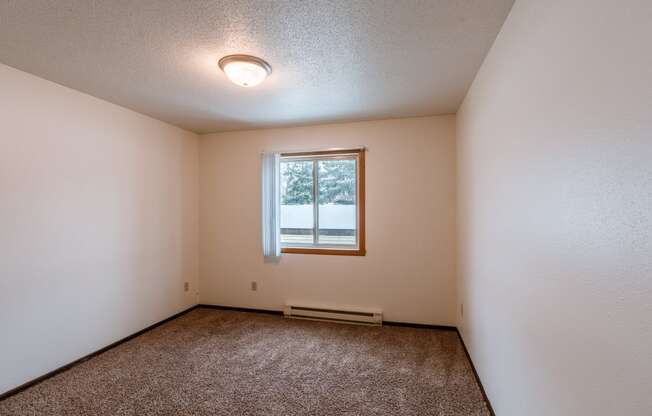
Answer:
(244, 58)
(245, 70)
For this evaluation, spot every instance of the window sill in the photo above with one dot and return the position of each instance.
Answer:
(326, 251)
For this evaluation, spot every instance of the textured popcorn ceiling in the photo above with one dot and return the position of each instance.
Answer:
(332, 60)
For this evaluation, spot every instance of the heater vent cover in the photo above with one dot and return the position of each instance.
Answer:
(348, 315)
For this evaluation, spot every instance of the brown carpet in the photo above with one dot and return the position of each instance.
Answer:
(212, 362)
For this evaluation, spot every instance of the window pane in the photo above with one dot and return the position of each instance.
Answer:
(296, 203)
(337, 202)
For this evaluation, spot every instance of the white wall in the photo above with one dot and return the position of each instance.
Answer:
(98, 224)
(555, 187)
(409, 269)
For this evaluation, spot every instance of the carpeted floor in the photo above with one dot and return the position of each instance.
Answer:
(212, 362)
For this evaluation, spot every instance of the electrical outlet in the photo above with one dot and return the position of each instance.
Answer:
(186, 286)
(254, 286)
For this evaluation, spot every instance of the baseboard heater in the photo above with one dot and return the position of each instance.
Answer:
(347, 315)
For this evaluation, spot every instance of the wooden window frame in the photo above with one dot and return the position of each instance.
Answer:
(360, 250)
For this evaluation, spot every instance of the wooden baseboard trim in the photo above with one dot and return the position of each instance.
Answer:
(239, 309)
(475, 373)
(278, 312)
(420, 326)
(68, 366)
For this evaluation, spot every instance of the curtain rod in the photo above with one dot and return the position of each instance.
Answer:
(314, 149)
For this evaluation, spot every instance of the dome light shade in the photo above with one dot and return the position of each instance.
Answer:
(245, 70)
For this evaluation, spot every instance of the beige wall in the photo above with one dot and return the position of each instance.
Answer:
(98, 224)
(555, 186)
(409, 270)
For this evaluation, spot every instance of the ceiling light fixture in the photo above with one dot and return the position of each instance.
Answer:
(245, 70)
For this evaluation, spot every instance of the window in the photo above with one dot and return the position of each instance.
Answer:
(322, 202)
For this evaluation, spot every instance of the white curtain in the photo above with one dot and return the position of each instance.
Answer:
(271, 204)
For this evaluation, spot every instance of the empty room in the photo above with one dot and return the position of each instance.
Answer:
(326, 207)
